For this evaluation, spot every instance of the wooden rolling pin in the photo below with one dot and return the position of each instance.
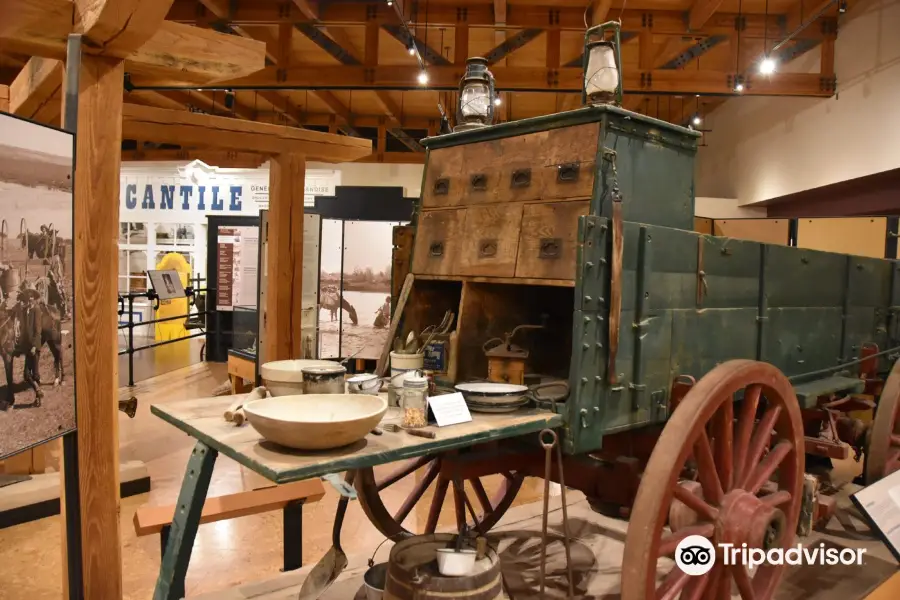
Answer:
(239, 417)
(255, 394)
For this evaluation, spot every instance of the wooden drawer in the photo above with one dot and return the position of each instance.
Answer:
(491, 240)
(569, 164)
(481, 172)
(442, 178)
(439, 242)
(521, 174)
(549, 240)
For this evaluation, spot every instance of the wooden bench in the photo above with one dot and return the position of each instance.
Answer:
(290, 498)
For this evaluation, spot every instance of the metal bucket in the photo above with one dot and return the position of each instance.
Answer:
(374, 581)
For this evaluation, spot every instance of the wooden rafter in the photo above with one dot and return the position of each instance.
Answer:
(220, 158)
(189, 54)
(533, 79)
(694, 52)
(428, 54)
(193, 129)
(701, 11)
(36, 84)
(510, 45)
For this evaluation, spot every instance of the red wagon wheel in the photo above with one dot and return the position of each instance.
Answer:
(883, 448)
(735, 454)
(487, 510)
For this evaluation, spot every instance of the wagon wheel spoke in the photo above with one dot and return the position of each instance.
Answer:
(696, 588)
(418, 491)
(778, 498)
(761, 474)
(672, 585)
(481, 495)
(719, 587)
(762, 438)
(403, 471)
(746, 421)
(706, 469)
(696, 503)
(883, 439)
(459, 504)
(724, 449)
(437, 503)
(669, 542)
(743, 581)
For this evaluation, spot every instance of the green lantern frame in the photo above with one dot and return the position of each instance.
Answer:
(597, 33)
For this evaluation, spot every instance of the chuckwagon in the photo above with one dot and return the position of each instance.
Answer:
(701, 370)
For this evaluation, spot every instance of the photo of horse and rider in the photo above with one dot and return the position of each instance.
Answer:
(37, 388)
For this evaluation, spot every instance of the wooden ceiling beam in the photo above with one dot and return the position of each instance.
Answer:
(533, 79)
(700, 13)
(208, 131)
(35, 84)
(511, 44)
(664, 22)
(119, 27)
(695, 51)
(157, 99)
(600, 11)
(428, 54)
(218, 158)
(178, 51)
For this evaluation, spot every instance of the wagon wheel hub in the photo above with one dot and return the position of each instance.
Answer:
(745, 519)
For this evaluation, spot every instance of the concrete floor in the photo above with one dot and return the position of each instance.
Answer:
(231, 553)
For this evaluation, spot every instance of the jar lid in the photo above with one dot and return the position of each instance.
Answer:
(415, 381)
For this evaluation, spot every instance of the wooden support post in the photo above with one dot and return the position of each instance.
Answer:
(285, 34)
(827, 62)
(98, 151)
(4, 97)
(647, 50)
(371, 51)
(284, 272)
(382, 141)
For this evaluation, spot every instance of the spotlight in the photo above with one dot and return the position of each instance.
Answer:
(739, 87)
(498, 101)
(412, 50)
(696, 120)
(390, 2)
(423, 78)
(767, 66)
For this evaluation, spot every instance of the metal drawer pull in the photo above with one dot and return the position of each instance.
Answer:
(436, 249)
(487, 248)
(549, 248)
(479, 182)
(442, 187)
(521, 178)
(567, 173)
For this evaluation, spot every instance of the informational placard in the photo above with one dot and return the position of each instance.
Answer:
(166, 284)
(880, 503)
(237, 260)
(37, 387)
(449, 409)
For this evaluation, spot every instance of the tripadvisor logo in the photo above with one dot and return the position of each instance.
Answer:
(696, 555)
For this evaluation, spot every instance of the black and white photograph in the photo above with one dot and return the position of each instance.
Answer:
(37, 392)
(355, 288)
(166, 284)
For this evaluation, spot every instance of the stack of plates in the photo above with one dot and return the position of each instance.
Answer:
(494, 397)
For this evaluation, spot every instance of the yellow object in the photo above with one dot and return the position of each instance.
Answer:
(174, 329)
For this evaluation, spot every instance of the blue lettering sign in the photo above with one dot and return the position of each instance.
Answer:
(200, 191)
(235, 197)
(186, 192)
(217, 203)
(131, 195)
(167, 197)
(148, 198)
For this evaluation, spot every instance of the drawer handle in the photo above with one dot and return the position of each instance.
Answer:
(568, 172)
(436, 249)
(521, 178)
(487, 248)
(442, 187)
(549, 248)
(479, 182)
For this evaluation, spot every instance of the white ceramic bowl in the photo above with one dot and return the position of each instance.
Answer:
(364, 383)
(455, 564)
(316, 421)
(285, 377)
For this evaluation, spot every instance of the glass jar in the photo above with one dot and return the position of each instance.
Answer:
(414, 401)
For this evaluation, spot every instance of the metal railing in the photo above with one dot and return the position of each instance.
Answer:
(190, 293)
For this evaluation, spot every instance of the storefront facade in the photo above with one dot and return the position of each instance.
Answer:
(163, 208)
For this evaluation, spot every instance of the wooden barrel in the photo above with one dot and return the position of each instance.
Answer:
(10, 281)
(413, 573)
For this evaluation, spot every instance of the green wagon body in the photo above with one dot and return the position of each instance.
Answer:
(689, 301)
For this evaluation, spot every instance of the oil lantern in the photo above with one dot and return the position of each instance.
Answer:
(476, 96)
(601, 62)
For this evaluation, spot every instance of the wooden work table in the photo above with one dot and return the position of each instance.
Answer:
(203, 420)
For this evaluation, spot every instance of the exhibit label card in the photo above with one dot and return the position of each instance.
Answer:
(449, 409)
(880, 502)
